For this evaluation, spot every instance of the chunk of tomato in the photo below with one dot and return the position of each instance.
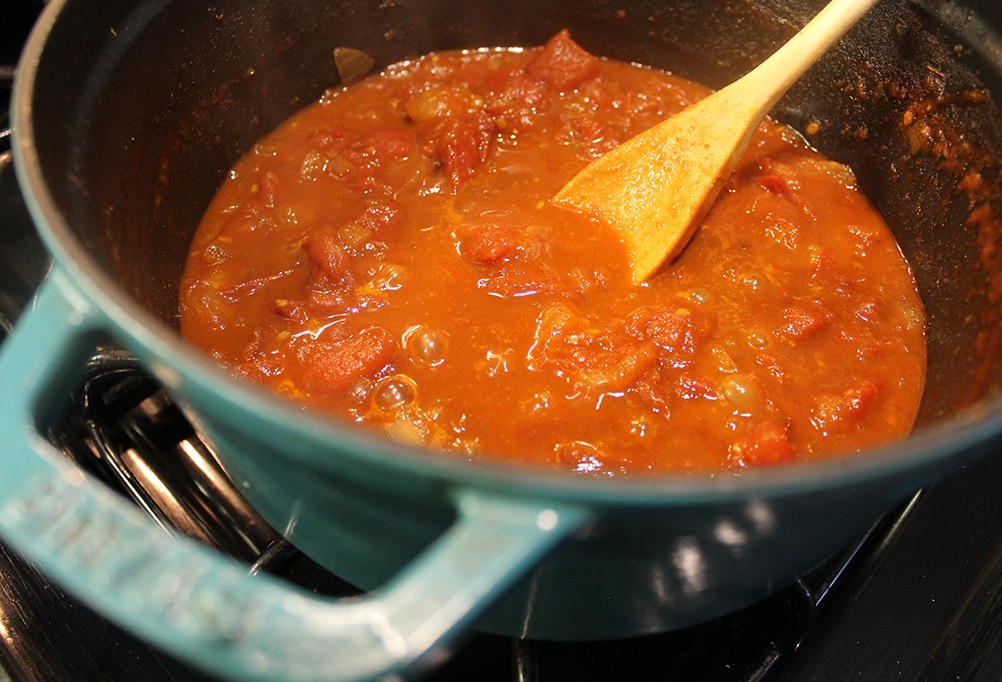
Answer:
(766, 443)
(334, 362)
(562, 63)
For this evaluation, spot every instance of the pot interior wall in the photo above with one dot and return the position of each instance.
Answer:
(140, 109)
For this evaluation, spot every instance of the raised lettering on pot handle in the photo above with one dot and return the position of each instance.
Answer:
(202, 605)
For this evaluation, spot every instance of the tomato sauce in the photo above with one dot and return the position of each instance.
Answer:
(389, 256)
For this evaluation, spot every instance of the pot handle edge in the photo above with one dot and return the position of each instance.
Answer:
(199, 604)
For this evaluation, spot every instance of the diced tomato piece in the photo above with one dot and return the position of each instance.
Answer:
(325, 251)
(516, 97)
(782, 179)
(677, 331)
(592, 358)
(778, 177)
(615, 369)
(291, 309)
(871, 310)
(332, 289)
(801, 323)
(555, 324)
(239, 226)
(766, 443)
(334, 362)
(653, 391)
(379, 215)
(464, 144)
(460, 129)
(395, 144)
(834, 412)
(563, 63)
(693, 386)
(442, 102)
(341, 153)
(258, 368)
(776, 184)
(594, 136)
(823, 261)
(249, 287)
(490, 243)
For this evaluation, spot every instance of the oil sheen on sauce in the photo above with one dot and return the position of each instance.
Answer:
(388, 256)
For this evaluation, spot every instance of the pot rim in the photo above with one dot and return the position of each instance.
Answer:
(175, 362)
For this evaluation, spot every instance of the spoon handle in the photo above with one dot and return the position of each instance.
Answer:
(773, 77)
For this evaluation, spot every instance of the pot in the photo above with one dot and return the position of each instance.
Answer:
(127, 116)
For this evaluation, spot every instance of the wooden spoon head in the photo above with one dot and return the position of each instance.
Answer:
(655, 188)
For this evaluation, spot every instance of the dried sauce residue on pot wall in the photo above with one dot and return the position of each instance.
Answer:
(930, 126)
(898, 101)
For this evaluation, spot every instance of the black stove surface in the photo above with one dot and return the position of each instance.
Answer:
(919, 597)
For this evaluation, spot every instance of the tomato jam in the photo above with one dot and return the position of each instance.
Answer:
(389, 256)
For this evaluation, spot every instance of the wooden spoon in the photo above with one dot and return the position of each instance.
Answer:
(655, 188)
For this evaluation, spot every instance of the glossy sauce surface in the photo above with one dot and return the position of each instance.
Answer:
(388, 256)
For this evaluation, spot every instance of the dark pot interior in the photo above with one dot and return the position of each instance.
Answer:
(135, 138)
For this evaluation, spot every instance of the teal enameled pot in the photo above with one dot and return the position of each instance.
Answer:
(127, 116)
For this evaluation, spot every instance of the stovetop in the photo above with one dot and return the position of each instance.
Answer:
(919, 597)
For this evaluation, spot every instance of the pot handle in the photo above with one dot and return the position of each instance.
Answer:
(200, 604)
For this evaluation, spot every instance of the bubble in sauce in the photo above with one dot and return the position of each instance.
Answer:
(758, 339)
(742, 391)
(394, 392)
(427, 345)
(701, 296)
